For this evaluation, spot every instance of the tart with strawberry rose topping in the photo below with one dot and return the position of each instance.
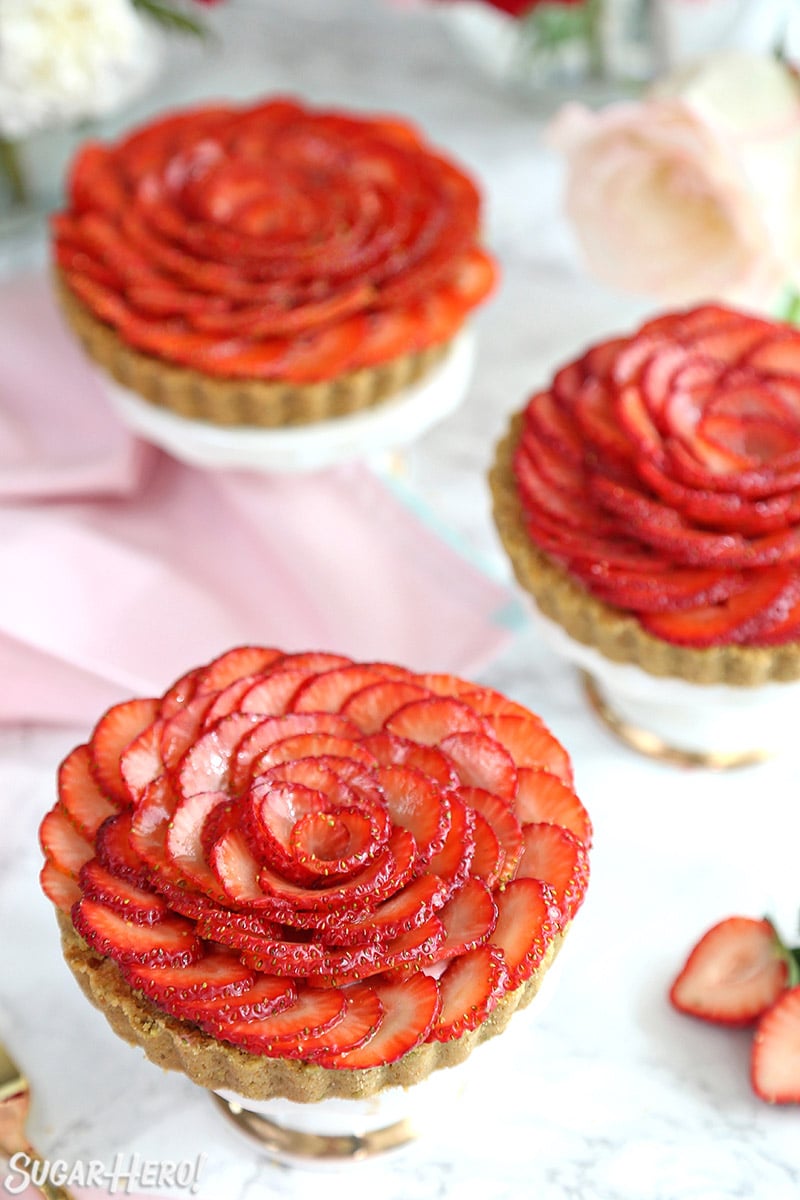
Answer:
(649, 500)
(268, 265)
(298, 876)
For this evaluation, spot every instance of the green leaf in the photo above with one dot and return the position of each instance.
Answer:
(793, 962)
(168, 17)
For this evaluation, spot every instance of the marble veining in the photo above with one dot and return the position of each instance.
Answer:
(602, 1092)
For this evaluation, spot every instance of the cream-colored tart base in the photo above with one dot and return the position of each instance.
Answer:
(615, 634)
(179, 1046)
(395, 423)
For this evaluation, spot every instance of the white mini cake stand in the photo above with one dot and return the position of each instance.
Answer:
(392, 424)
(710, 725)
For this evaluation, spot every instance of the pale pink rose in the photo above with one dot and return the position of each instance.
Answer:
(692, 193)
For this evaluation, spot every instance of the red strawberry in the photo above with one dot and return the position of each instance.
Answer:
(120, 895)
(265, 997)
(271, 730)
(733, 974)
(242, 660)
(530, 744)
(363, 1015)
(171, 942)
(487, 861)
(411, 907)
(555, 857)
(61, 889)
(216, 975)
(141, 763)
(505, 826)
(330, 690)
(372, 706)
(775, 1062)
(390, 750)
(468, 918)
(115, 850)
(273, 695)
(482, 762)
(770, 596)
(112, 735)
(527, 922)
(207, 766)
(429, 721)
(181, 692)
(62, 844)
(469, 990)
(543, 797)
(416, 804)
(78, 792)
(410, 1010)
(313, 1012)
(452, 863)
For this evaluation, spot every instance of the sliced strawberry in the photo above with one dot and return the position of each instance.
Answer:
(236, 868)
(452, 863)
(272, 696)
(229, 699)
(416, 804)
(482, 762)
(333, 845)
(59, 888)
(734, 973)
(313, 745)
(63, 846)
(492, 704)
(268, 732)
(112, 735)
(505, 826)
(206, 766)
(430, 721)
(171, 942)
(487, 861)
(282, 1034)
(184, 727)
(530, 744)
(388, 750)
(768, 598)
(182, 901)
(149, 826)
(468, 917)
(402, 955)
(363, 1014)
(328, 691)
(411, 1008)
(469, 988)
(181, 692)
(214, 976)
(184, 840)
(445, 685)
(543, 797)
(372, 706)
(527, 922)
(141, 763)
(555, 857)
(115, 850)
(242, 660)
(135, 904)
(85, 804)
(775, 1062)
(267, 996)
(410, 908)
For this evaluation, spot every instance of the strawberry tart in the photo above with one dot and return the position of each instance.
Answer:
(649, 500)
(269, 265)
(298, 876)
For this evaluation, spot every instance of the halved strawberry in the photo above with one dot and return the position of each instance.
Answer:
(410, 1010)
(530, 744)
(111, 736)
(279, 1035)
(482, 762)
(429, 721)
(527, 922)
(84, 802)
(215, 975)
(59, 888)
(134, 903)
(543, 797)
(775, 1061)
(469, 988)
(554, 856)
(734, 973)
(171, 942)
(63, 846)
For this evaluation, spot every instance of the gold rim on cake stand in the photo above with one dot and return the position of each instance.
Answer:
(284, 1142)
(652, 745)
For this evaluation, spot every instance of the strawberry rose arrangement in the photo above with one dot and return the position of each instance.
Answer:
(301, 876)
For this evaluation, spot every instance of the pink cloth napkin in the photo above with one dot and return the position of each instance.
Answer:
(122, 567)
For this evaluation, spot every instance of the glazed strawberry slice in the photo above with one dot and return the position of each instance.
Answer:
(120, 895)
(149, 826)
(482, 762)
(115, 850)
(469, 988)
(468, 917)
(487, 861)
(410, 908)
(59, 888)
(272, 696)
(329, 691)
(314, 745)
(735, 973)
(555, 857)
(362, 1016)
(530, 744)
(184, 727)
(452, 863)
(416, 804)
(63, 846)
(430, 721)
(171, 942)
(180, 693)
(242, 660)
(184, 842)
(207, 765)
(503, 821)
(411, 1008)
(216, 975)
(782, 627)
(142, 762)
(527, 923)
(85, 804)
(775, 1061)
(112, 735)
(390, 750)
(545, 419)
(281, 1035)
(768, 598)
(543, 797)
(229, 699)
(267, 996)
(271, 730)
(371, 707)
(331, 845)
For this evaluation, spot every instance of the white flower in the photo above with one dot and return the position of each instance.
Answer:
(694, 192)
(62, 61)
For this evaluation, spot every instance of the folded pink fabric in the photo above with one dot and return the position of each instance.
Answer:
(123, 567)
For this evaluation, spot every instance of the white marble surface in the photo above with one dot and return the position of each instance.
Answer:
(603, 1093)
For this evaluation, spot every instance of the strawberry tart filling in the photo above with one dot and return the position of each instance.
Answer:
(273, 242)
(306, 858)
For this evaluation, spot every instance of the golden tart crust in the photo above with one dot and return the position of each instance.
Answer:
(617, 634)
